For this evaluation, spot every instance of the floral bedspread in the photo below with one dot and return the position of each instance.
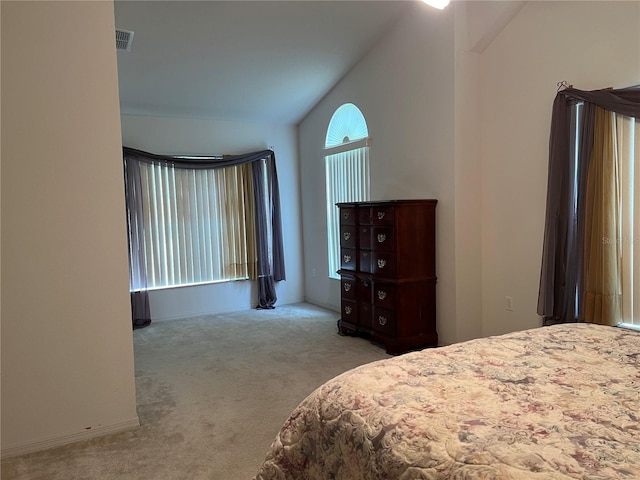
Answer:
(558, 402)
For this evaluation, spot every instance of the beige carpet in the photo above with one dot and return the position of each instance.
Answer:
(213, 392)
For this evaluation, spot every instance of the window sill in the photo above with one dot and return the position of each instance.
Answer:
(629, 326)
(212, 282)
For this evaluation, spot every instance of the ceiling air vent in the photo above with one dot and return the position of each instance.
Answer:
(124, 38)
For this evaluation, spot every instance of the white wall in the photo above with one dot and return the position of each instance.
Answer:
(172, 135)
(405, 89)
(67, 349)
(468, 260)
(458, 105)
(590, 45)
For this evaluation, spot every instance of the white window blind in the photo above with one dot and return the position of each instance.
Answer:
(628, 149)
(196, 224)
(346, 172)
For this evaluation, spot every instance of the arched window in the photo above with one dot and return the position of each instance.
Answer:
(346, 157)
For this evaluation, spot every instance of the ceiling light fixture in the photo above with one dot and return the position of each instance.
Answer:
(437, 3)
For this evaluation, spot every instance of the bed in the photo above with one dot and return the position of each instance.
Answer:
(558, 402)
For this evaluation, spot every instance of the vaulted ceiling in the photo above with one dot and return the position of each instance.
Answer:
(261, 60)
(251, 61)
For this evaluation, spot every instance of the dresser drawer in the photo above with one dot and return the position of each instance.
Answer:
(364, 215)
(348, 236)
(348, 259)
(382, 215)
(364, 237)
(365, 261)
(384, 295)
(384, 321)
(364, 289)
(383, 264)
(348, 287)
(382, 239)
(350, 311)
(365, 315)
(348, 216)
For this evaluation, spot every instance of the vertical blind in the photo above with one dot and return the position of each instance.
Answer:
(347, 175)
(628, 148)
(198, 224)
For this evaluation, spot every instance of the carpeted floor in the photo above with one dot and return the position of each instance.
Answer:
(213, 392)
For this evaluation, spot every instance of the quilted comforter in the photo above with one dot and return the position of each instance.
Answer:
(560, 402)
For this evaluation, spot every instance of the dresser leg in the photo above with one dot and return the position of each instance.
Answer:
(345, 328)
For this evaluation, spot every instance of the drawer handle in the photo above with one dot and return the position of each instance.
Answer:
(347, 287)
(347, 310)
(365, 283)
(380, 216)
(381, 237)
(365, 254)
(346, 215)
(346, 258)
(347, 236)
(382, 294)
(382, 320)
(381, 262)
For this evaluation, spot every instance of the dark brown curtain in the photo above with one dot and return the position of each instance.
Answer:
(562, 271)
(268, 221)
(140, 310)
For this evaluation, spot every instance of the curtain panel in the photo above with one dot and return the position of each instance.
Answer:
(268, 224)
(562, 271)
(602, 284)
(140, 310)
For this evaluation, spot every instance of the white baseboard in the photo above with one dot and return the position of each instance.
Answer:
(324, 305)
(240, 308)
(65, 439)
(200, 314)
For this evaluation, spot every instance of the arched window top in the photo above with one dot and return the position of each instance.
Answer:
(347, 125)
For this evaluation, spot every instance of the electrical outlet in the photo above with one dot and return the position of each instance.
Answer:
(508, 303)
(313, 272)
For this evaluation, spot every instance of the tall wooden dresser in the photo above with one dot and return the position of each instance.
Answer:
(388, 272)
